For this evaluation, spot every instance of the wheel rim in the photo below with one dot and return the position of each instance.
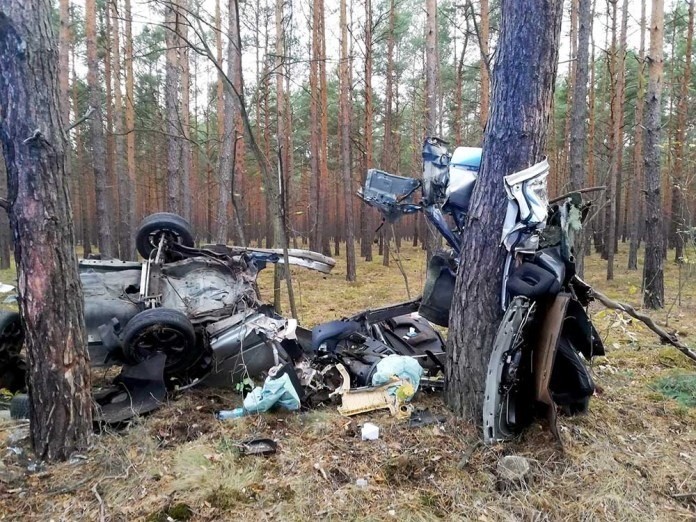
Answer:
(155, 237)
(161, 339)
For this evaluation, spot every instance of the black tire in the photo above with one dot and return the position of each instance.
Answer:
(12, 365)
(11, 333)
(151, 229)
(161, 330)
(19, 406)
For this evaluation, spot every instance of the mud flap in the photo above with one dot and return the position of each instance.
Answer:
(545, 355)
(138, 390)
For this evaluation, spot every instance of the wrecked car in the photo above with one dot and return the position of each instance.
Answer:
(538, 360)
(183, 315)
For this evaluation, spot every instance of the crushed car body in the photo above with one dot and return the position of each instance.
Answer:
(538, 361)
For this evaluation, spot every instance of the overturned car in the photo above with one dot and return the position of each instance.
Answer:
(187, 316)
(182, 316)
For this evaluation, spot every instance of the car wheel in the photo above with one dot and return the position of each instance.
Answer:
(151, 229)
(161, 330)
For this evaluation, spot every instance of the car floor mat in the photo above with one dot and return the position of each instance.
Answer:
(139, 389)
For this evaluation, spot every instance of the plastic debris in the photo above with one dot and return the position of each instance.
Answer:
(361, 483)
(370, 431)
(278, 390)
(400, 366)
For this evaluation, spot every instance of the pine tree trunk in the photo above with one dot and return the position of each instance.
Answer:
(315, 186)
(388, 146)
(680, 182)
(50, 294)
(324, 135)
(366, 214)
(129, 222)
(346, 114)
(229, 139)
(638, 180)
(613, 147)
(171, 102)
(653, 268)
(515, 138)
(186, 151)
(431, 87)
(125, 245)
(578, 127)
(104, 207)
(484, 35)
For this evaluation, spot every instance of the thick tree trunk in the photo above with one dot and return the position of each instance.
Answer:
(104, 207)
(653, 268)
(50, 294)
(636, 194)
(680, 182)
(346, 113)
(578, 127)
(515, 138)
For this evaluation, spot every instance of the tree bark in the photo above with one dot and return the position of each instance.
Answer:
(172, 117)
(431, 82)
(125, 244)
(186, 151)
(388, 145)
(653, 268)
(484, 35)
(578, 127)
(637, 197)
(315, 185)
(515, 138)
(228, 147)
(366, 213)
(680, 183)
(104, 205)
(129, 221)
(50, 294)
(346, 110)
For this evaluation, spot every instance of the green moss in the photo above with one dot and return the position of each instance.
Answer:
(680, 387)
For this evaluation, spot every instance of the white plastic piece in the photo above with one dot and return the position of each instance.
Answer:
(370, 431)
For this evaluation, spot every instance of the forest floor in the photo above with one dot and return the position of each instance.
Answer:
(632, 457)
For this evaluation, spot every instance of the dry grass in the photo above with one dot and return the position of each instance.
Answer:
(623, 461)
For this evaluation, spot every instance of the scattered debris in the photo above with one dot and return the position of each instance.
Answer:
(258, 447)
(365, 399)
(420, 418)
(369, 431)
(281, 388)
(512, 472)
